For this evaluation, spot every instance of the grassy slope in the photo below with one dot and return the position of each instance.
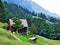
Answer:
(7, 38)
(40, 41)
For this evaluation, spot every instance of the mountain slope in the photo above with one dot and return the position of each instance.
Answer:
(20, 12)
(15, 10)
(32, 6)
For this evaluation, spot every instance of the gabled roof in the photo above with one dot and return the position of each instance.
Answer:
(24, 22)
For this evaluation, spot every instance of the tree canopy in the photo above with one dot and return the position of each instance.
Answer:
(18, 24)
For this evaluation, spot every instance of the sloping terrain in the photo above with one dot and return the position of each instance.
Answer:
(21, 12)
(32, 6)
(40, 41)
(7, 38)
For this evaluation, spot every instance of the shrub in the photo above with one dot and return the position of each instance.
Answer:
(3, 25)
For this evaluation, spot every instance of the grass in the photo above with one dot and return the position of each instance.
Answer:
(7, 38)
(40, 41)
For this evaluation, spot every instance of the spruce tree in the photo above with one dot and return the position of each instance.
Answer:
(3, 13)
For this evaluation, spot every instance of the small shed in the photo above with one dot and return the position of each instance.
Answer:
(21, 31)
(33, 39)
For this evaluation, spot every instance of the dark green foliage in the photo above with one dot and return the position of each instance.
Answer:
(18, 24)
(16, 11)
(16, 20)
(43, 27)
(34, 14)
(42, 15)
(53, 19)
(29, 18)
(57, 29)
(33, 29)
(3, 13)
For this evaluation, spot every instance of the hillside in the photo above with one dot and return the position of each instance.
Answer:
(21, 12)
(36, 26)
(43, 27)
(32, 6)
(7, 38)
(16, 11)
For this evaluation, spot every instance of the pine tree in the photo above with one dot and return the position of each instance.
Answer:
(3, 13)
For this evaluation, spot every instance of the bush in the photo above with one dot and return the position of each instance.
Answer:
(3, 25)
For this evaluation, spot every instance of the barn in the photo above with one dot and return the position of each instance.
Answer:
(21, 31)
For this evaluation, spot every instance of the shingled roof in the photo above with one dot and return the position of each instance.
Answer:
(24, 22)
